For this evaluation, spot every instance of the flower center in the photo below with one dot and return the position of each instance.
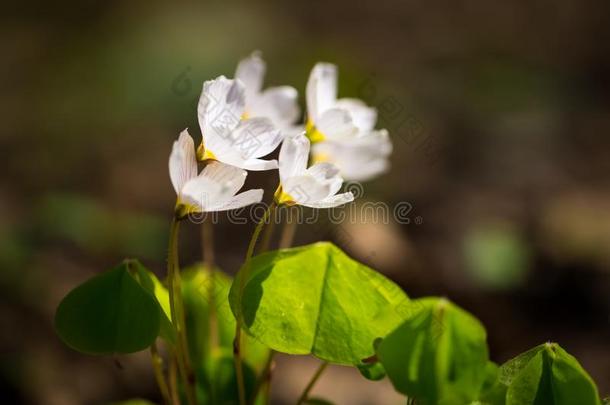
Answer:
(204, 153)
(313, 133)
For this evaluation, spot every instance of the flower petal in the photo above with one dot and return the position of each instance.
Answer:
(255, 137)
(279, 104)
(220, 108)
(359, 159)
(259, 164)
(230, 178)
(336, 124)
(241, 200)
(294, 155)
(201, 192)
(182, 161)
(306, 189)
(326, 173)
(363, 116)
(332, 201)
(251, 72)
(321, 90)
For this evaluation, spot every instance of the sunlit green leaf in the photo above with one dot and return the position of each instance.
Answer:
(199, 290)
(151, 283)
(493, 392)
(217, 381)
(438, 355)
(109, 313)
(315, 299)
(547, 374)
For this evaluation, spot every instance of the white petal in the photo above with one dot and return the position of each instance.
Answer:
(294, 155)
(220, 108)
(321, 90)
(363, 116)
(367, 171)
(306, 189)
(337, 124)
(332, 201)
(251, 72)
(241, 200)
(259, 164)
(182, 161)
(230, 178)
(201, 192)
(255, 137)
(327, 173)
(323, 171)
(279, 104)
(359, 159)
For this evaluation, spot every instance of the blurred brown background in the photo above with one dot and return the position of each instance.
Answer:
(499, 113)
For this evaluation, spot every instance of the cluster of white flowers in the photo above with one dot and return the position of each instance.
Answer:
(241, 123)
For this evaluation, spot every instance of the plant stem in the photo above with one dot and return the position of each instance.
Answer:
(289, 230)
(207, 242)
(245, 272)
(173, 385)
(265, 377)
(177, 312)
(157, 362)
(313, 381)
(267, 236)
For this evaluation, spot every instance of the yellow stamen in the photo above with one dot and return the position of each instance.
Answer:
(245, 115)
(313, 133)
(281, 197)
(204, 153)
(320, 158)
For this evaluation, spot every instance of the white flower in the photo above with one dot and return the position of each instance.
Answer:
(214, 189)
(314, 187)
(342, 130)
(279, 104)
(227, 135)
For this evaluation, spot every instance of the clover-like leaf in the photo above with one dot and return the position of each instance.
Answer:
(315, 299)
(151, 283)
(199, 290)
(438, 355)
(109, 313)
(547, 374)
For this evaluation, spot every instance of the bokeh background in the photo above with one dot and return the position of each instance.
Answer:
(499, 113)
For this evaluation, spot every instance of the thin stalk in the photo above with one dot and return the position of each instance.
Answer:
(265, 378)
(237, 347)
(173, 383)
(157, 362)
(207, 243)
(266, 240)
(312, 382)
(177, 312)
(289, 230)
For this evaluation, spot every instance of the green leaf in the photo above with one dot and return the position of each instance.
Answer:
(198, 291)
(372, 371)
(437, 354)
(109, 313)
(151, 283)
(217, 381)
(315, 299)
(492, 391)
(547, 374)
